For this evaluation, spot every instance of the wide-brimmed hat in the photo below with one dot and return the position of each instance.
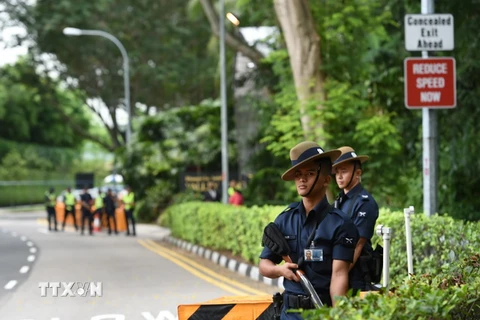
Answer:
(305, 152)
(348, 154)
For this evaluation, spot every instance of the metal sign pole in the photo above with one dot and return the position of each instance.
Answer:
(223, 111)
(429, 134)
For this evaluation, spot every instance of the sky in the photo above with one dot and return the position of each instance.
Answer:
(10, 55)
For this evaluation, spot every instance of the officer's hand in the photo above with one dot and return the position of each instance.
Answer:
(288, 271)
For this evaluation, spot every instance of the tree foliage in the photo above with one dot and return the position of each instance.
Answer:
(174, 65)
(35, 109)
(168, 64)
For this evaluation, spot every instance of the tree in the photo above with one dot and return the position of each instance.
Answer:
(36, 110)
(169, 64)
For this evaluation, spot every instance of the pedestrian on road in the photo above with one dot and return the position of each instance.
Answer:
(109, 202)
(69, 201)
(129, 205)
(362, 208)
(50, 202)
(99, 206)
(86, 202)
(315, 231)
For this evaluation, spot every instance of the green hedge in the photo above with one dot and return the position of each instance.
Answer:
(446, 280)
(454, 293)
(437, 241)
(32, 192)
(219, 226)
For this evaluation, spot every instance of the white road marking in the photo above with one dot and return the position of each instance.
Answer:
(33, 250)
(43, 231)
(31, 258)
(29, 243)
(24, 269)
(23, 238)
(10, 284)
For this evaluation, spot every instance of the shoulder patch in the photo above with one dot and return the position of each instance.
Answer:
(364, 197)
(290, 207)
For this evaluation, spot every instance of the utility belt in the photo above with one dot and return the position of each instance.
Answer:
(299, 301)
(295, 301)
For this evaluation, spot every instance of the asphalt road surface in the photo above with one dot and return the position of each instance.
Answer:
(64, 276)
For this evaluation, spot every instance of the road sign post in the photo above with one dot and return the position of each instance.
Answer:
(427, 88)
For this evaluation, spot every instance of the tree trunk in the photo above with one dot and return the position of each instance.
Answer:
(303, 45)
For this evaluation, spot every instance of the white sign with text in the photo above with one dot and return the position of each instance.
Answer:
(429, 32)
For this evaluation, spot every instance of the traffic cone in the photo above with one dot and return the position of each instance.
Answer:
(96, 224)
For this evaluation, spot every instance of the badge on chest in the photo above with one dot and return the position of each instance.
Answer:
(313, 254)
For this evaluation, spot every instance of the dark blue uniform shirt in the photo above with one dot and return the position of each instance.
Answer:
(336, 235)
(362, 208)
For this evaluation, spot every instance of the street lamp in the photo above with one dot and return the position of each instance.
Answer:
(126, 78)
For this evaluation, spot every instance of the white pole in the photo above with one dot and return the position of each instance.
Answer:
(385, 232)
(408, 233)
(223, 94)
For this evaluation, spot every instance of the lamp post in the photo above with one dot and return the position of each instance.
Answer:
(223, 112)
(126, 78)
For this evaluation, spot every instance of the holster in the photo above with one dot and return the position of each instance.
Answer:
(371, 265)
(277, 305)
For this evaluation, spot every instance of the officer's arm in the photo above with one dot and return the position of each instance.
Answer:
(358, 250)
(339, 283)
(271, 270)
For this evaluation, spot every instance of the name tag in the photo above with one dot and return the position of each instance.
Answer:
(314, 255)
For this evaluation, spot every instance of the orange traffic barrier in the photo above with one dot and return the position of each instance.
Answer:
(229, 308)
(60, 213)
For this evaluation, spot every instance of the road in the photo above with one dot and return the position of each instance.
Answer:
(101, 277)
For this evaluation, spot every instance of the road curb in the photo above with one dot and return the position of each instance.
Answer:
(247, 270)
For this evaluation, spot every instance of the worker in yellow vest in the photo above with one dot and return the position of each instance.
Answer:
(99, 206)
(50, 202)
(128, 206)
(70, 201)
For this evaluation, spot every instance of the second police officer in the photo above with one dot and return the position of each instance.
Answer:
(333, 234)
(361, 207)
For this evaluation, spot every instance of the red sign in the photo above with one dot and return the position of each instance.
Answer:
(430, 83)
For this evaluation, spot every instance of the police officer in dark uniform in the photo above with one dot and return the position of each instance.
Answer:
(361, 207)
(86, 202)
(333, 235)
(109, 202)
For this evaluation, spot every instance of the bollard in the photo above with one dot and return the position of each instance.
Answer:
(385, 232)
(408, 234)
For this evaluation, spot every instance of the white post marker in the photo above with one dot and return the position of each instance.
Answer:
(385, 232)
(408, 234)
